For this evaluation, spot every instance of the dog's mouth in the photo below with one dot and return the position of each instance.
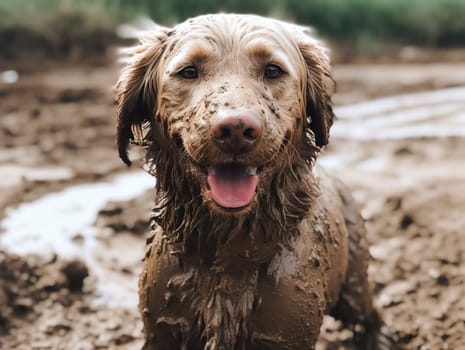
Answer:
(232, 185)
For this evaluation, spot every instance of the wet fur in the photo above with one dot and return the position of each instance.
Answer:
(207, 272)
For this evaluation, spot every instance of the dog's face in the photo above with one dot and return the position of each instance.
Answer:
(234, 98)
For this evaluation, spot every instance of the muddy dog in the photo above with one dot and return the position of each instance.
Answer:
(252, 242)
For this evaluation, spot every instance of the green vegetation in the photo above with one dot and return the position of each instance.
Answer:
(57, 25)
(57, 28)
(419, 22)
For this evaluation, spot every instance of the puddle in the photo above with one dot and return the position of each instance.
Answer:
(62, 223)
(14, 175)
(48, 225)
(394, 103)
(437, 113)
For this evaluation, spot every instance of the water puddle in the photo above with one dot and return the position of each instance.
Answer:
(62, 223)
(49, 224)
(439, 113)
(14, 175)
(388, 104)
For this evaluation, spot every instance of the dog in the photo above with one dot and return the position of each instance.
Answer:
(252, 243)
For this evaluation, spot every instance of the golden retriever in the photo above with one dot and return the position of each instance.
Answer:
(252, 242)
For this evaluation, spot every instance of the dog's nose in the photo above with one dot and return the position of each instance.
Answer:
(236, 133)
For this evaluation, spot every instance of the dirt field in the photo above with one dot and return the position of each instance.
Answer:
(57, 131)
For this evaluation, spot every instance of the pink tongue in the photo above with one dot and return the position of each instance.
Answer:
(232, 191)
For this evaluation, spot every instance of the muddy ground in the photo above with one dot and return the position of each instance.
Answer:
(57, 130)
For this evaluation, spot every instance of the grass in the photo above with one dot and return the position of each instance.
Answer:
(57, 26)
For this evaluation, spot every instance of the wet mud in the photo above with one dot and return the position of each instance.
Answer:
(57, 130)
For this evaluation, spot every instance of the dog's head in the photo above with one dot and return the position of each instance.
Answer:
(233, 99)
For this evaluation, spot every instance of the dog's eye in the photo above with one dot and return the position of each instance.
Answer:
(272, 71)
(189, 72)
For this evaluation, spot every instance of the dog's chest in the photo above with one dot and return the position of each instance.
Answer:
(268, 307)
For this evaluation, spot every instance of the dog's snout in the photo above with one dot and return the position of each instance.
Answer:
(236, 133)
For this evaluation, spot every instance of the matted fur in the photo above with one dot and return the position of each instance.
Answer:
(211, 275)
(136, 101)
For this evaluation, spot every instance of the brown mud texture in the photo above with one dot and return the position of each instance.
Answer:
(411, 191)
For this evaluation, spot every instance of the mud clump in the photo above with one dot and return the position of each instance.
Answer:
(75, 271)
(132, 217)
(23, 283)
(51, 303)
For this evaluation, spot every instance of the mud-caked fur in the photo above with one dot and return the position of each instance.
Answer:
(263, 276)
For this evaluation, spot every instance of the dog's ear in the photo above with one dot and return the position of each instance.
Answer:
(318, 87)
(135, 91)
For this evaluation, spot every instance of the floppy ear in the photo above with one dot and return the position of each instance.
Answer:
(135, 91)
(318, 87)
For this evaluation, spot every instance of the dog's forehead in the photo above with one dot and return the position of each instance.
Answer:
(234, 31)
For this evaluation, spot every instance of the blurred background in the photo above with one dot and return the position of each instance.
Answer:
(62, 27)
(73, 219)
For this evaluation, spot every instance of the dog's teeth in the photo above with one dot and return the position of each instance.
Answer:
(211, 171)
(252, 170)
